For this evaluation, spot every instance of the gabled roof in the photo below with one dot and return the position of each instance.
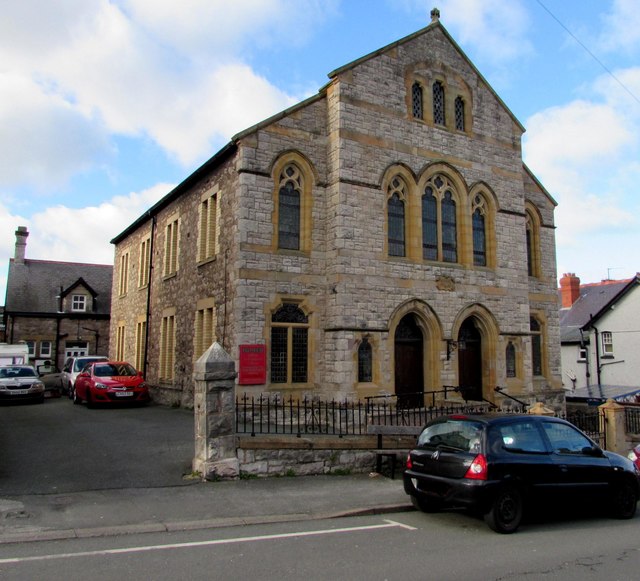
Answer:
(33, 286)
(594, 301)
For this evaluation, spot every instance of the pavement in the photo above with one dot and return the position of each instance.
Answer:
(196, 505)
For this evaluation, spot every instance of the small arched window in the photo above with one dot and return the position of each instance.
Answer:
(365, 362)
(417, 100)
(459, 110)
(289, 199)
(533, 243)
(438, 103)
(396, 217)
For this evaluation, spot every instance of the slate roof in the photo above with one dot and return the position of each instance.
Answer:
(593, 300)
(32, 286)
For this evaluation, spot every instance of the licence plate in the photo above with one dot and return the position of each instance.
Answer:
(19, 391)
(124, 393)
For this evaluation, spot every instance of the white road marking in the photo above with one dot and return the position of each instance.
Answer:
(388, 524)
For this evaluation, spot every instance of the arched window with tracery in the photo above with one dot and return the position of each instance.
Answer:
(289, 206)
(438, 103)
(396, 217)
(478, 223)
(417, 100)
(439, 221)
(289, 344)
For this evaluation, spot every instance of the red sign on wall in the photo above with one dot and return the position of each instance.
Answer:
(253, 365)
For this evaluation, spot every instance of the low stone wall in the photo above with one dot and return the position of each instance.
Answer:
(289, 456)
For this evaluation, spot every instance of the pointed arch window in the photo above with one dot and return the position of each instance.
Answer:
(478, 222)
(439, 221)
(438, 103)
(365, 362)
(417, 100)
(459, 111)
(510, 356)
(533, 243)
(289, 344)
(396, 217)
(289, 200)
(536, 346)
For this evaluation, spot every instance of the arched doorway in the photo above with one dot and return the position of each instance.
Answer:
(470, 360)
(409, 362)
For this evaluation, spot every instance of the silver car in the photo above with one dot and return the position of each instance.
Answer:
(20, 383)
(72, 367)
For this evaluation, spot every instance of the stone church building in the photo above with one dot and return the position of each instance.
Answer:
(381, 237)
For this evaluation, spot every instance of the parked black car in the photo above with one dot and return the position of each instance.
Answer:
(500, 464)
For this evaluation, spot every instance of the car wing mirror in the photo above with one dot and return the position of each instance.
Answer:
(592, 451)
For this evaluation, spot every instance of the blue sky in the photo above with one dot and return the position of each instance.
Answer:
(105, 105)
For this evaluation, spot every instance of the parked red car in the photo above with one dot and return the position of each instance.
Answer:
(634, 456)
(110, 382)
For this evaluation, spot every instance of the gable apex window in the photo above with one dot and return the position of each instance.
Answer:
(78, 303)
(438, 103)
(417, 100)
(459, 113)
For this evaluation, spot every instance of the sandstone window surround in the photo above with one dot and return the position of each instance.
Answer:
(538, 360)
(209, 222)
(289, 344)
(438, 219)
(167, 346)
(205, 327)
(171, 246)
(365, 361)
(532, 225)
(120, 340)
(141, 339)
(144, 262)
(293, 178)
(123, 280)
(447, 106)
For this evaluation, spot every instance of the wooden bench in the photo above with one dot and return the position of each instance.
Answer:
(404, 439)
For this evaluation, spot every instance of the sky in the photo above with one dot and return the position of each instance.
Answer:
(106, 105)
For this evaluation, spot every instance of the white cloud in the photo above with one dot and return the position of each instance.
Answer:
(497, 30)
(75, 235)
(621, 27)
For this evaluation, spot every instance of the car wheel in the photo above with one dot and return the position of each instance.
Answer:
(505, 513)
(426, 505)
(624, 500)
(76, 398)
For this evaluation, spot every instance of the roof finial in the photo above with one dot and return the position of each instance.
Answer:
(435, 15)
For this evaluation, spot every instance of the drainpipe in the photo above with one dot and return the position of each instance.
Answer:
(597, 347)
(148, 311)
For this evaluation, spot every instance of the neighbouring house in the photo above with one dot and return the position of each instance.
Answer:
(600, 338)
(58, 309)
(381, 237)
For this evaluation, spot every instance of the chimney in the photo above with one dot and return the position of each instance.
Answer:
(570, 289)
(21, 243)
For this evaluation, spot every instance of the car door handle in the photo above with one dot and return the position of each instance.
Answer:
(564, 468)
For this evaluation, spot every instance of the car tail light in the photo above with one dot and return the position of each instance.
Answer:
(478, 468)
(409, 462)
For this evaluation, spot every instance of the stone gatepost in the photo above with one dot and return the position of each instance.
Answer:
(613, 424)
(214, 408)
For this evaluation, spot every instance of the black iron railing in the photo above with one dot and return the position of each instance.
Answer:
(272, 414)
(632, 419)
